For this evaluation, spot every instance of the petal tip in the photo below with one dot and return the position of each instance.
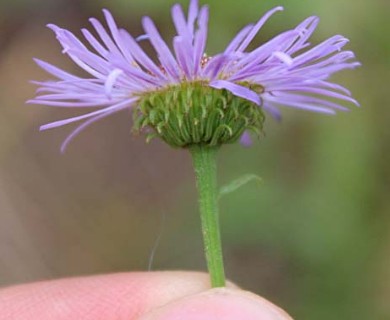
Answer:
(107, 14)
(53, 27)
(146, 20)
(63, 148)
(37, 61)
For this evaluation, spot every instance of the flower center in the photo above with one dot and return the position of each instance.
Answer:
(194, 113)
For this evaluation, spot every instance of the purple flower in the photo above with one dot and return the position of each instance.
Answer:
(285, 71)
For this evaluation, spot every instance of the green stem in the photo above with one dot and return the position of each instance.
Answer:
(205, 166)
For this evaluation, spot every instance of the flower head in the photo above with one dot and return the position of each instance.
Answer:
(233, 86)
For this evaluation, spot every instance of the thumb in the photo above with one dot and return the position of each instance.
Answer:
(219, 304)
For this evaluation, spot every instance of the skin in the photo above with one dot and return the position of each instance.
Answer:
(134, 296)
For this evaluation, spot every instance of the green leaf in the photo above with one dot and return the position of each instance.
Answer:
(238, 183)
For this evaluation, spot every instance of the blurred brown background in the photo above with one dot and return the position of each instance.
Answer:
(314, 237)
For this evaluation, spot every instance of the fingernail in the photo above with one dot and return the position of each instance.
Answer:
(219, 304)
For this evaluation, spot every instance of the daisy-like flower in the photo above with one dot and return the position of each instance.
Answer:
(186, 96)
(193, 100)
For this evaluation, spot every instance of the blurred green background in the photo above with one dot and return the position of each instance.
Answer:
(313, 238)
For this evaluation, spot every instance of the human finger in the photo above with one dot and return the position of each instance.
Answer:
(117, 296)
(219, 304)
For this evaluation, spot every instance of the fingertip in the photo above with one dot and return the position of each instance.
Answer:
(219, 304)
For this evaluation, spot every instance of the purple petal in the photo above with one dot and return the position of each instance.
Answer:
(193, 11)
(334, 86)
(83, 126)
(57, 72)
(125, 50)
(237, 90)
(324, 92)
(233, 45)
(306, 29)
(164, 54)
(322, 50)
(201, 38)
(95, 43)
(141, 56)
(272, 110)
(111, 46)
(82, 96)
(183, 57)
(180, 22)
(88, 60)
(309, 100)
(257, 27)
(246, 139)
(296, 104)
(116, 107)
(65, 104)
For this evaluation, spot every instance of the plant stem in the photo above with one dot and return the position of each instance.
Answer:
(205, 166)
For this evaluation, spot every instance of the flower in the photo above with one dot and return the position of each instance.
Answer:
(281, 72)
